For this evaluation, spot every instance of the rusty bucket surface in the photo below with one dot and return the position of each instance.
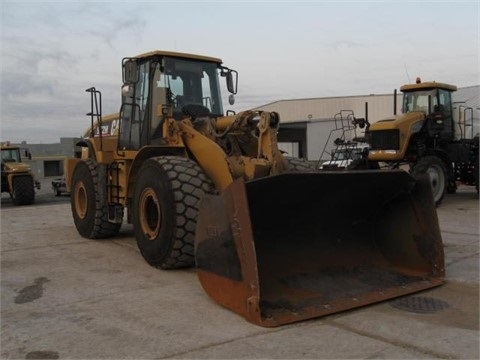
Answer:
(300, 245)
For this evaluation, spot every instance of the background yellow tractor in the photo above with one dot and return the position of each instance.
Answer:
(17, 177)
(431, 137)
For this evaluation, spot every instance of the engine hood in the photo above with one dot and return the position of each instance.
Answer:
(398, 121)
(16, 167)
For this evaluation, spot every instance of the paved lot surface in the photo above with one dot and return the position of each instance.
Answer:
(63, 296)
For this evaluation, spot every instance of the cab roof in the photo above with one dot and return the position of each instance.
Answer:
(179, 55)
(7, 145)
(427, 86)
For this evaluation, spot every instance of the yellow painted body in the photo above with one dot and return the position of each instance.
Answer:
(403, 124)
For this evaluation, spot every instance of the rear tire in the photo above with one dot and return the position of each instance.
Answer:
(89, 201)
(435, 168)
(23, 192)
(165, 208)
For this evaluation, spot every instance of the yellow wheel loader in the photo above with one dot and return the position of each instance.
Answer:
(213, 190)
(17, 177)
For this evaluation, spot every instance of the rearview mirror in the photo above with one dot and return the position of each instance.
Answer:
(232, 81)
(130, 71)
(231, 78)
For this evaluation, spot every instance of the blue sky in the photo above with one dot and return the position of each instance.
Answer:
(52, 51)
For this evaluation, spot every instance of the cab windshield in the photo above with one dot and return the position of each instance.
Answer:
(418, 101)
(190, 82)
(11, 155)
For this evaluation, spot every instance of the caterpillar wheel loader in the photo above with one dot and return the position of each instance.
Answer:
(213, 190)
(17, 177)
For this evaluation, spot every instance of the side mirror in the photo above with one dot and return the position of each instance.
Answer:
(130, 71)
(232, 81)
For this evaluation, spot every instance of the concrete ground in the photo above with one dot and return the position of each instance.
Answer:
(63, 296)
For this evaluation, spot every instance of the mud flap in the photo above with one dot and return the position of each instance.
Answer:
(301, 245)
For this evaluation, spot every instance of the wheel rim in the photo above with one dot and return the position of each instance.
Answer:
(81, 202)
(437, 180)
(150, 213)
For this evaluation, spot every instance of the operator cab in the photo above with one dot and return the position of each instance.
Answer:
(164, 84)
(11, 155)
(435, 101)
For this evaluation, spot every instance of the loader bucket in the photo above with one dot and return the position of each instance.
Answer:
(296, 246)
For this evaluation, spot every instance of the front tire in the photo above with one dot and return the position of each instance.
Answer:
(436, 170)
(89, 201)
(23, 192)
(165, 208)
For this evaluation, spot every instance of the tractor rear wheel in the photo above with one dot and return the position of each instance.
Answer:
(89, 201)
(165, 208)
(434, 167)
(23, 192)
